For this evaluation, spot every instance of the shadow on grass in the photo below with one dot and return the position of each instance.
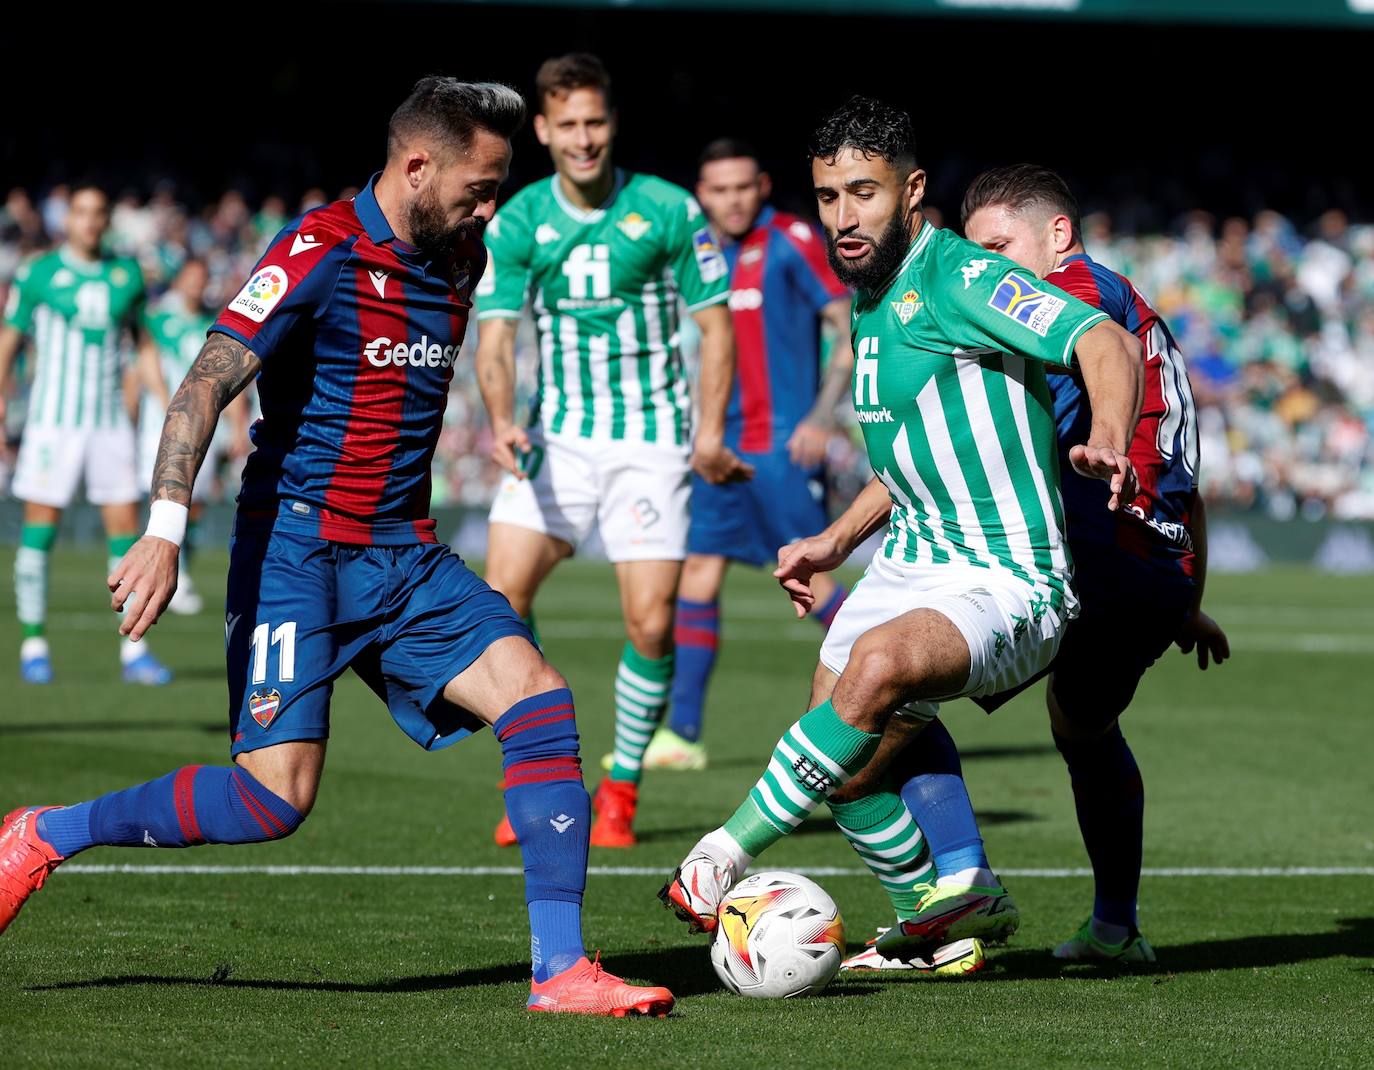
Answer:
(1352, 937)
(686, 970)
(43, 727)
(1021, 750)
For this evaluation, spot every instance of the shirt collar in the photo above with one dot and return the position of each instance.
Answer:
(370, 213)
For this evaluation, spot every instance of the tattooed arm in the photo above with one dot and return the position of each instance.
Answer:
(146, 578)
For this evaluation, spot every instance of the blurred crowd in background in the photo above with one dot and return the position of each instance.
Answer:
(1276, 322)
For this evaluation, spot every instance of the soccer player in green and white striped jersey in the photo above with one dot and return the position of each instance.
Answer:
(605, 257)
(970, 591)
(80, 307)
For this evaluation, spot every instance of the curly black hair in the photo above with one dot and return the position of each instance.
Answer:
(872, 127)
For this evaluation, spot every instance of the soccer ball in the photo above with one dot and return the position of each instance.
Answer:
(779, 935)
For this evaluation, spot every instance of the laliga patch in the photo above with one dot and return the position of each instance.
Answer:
(1017, 298)
(261, 294)
(263, 704)
(710, 260)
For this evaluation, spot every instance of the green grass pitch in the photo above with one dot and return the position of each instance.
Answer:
(1264, 762)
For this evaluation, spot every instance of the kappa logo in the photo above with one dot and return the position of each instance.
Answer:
(302, 242)
(379, 282)
(543, 234)
(999, 645)
(973, 269)
(812, 777)
(562, 823)
(263, 704)
(908, 306)
(1038, 605)
(634, 226)
(1016, 297)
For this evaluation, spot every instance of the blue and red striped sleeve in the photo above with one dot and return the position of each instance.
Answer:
(292, 281)
(813, 276)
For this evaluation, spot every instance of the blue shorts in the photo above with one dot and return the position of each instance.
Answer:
(748, 521)
(301, 610)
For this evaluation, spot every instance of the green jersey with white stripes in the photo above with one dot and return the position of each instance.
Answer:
(78, 313)
(605, 287)
(949, 389)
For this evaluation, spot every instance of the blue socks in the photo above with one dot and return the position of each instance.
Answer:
(196, 804)
(696, 637)
(551, 814)
(824, 614)
(933, 789)
(1110, 799)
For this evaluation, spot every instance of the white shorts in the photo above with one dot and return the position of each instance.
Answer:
(150, 437)
(52, 461)
(1011, 630)
(632, 497)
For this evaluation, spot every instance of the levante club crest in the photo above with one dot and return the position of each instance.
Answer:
(908, 306)
(263, 704)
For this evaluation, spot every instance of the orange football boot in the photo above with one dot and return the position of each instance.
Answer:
(26, 859)
(504, 834)
(586, 988)
(614, 804)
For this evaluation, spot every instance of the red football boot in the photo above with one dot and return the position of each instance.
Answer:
(586, 988)
(504, 834)
(26, 859)
(614, 804)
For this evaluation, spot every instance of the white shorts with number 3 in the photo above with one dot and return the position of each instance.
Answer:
(628, 498)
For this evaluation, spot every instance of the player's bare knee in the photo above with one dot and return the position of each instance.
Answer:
(651, 632)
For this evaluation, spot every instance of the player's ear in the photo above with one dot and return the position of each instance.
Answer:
(1063, 233)
(765, 185)
(541, 128)
(915, 189)
(418, 165)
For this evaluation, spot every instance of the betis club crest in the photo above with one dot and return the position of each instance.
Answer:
(908, 306)
(263, 704)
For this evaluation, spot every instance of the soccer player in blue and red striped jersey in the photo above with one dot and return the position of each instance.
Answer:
(352, 322)
(780, 418)
(1139, 573)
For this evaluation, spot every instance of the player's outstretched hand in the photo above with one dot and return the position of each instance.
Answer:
(508, 446)
(1201, 631)
(143, 583)
(716, 462)
(799, 561)
(1103, 462)
(808, 444)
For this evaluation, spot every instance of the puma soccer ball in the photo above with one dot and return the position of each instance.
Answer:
(779, 935)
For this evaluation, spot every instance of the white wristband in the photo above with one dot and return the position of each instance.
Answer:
(167, 520)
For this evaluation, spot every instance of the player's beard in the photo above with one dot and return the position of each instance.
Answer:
(887, 252)
(429, 229)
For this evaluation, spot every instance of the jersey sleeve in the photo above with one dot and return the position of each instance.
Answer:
(812, 276)
(20, 302)
(138, 302)
(988, 301)
(292, 283)
(506, 280)
(703, 276)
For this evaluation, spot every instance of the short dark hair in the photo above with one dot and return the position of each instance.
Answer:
(727, 148)
(87, 182)
(872, 127)
(1022, 186)
(449, 112)
(577, 70)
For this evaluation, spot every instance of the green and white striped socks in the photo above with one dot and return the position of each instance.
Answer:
(31, 580)
(881, 829)
(641, 699)
(814, 757)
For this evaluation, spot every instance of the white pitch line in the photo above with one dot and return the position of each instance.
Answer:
(659, 871)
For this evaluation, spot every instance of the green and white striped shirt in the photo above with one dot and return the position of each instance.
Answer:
(949, 389)
(605, 287)
(78, 313)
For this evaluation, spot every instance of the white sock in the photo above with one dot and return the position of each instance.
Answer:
(983, 878)
(1109, 933)
(35, 646)
(723, 847)
(129, 651)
